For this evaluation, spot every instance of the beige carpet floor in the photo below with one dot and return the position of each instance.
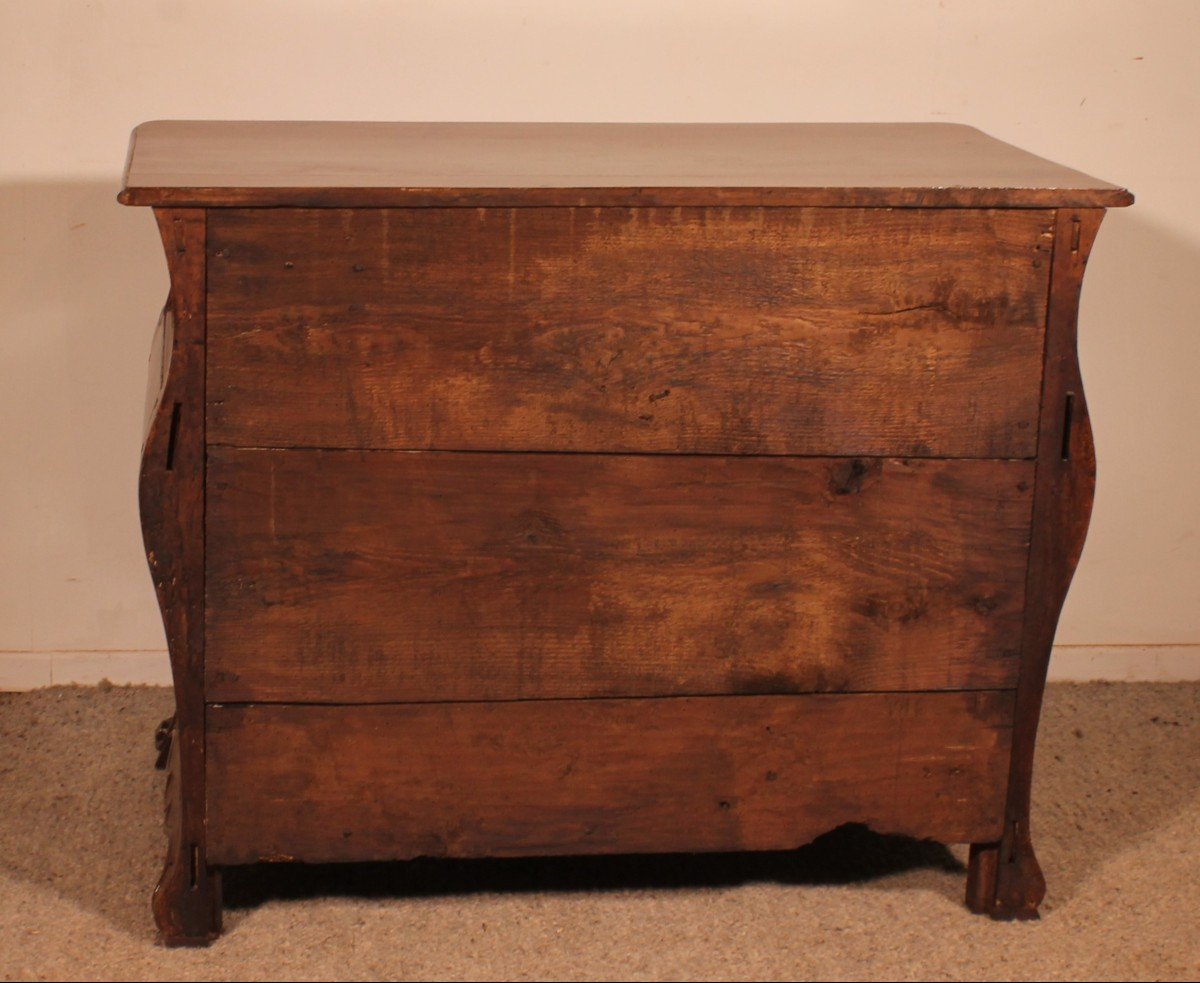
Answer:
(1116, 822)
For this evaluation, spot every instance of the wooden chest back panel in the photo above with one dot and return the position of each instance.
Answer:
(355, 576)
(906, 332)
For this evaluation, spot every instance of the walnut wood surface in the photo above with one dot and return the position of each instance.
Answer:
(792, 331)
(395, 781)
(363, 164)
(799, 492)
(1010, 880)
(187, 900)
(346, 576)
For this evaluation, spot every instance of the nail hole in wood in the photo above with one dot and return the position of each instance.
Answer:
(1068, 415)
(173, 435)
(1012, 845)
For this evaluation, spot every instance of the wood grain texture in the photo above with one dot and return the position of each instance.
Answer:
(781, 331)
(1006, 879)
(187, 900)
(220, 163)
(346, 576)
(600, 776)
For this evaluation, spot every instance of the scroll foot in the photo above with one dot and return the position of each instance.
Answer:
(187, 902)
(1005, 880)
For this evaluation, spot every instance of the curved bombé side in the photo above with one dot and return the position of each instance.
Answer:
(1004, 879)
(187, 900)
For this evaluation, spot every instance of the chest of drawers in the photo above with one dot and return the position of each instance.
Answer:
(516, 489)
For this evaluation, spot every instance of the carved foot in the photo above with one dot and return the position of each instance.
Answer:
(1004, 880)
(187, 901)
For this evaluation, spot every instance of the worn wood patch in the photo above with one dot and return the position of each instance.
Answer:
(348, 576)
(601, 776)
(909, 332)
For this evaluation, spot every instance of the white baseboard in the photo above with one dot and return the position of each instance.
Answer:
(1125, 663)
(31, 670)
(1075, 663)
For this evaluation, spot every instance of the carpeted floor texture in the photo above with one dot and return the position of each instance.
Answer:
(1116, 823)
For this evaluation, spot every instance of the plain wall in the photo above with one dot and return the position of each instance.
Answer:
(1111, 88)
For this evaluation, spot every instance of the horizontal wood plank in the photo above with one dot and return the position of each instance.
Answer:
(336, 783)
(357, 164)
(774, 331)
(347, 576)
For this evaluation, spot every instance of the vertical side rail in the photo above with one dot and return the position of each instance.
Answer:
(1004, 879)
(187, 900)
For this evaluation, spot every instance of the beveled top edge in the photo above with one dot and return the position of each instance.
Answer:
(246, 163)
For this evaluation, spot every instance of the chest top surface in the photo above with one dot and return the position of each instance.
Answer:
(208, 163)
